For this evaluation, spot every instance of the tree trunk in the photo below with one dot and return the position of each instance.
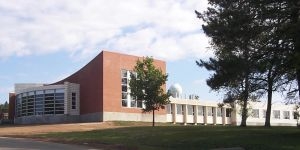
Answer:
(298, 81)
(153, 117)
(269, 105)
(244, 114)
(245, 103)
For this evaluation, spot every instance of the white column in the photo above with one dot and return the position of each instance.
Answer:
(223, 116)
(205, 115)
(174, 112)
(195, 114)
(214, 115)
(185, 114)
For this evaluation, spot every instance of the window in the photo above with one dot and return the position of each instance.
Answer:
(73, 100)
(228, 112)
(295, 115)
(276, 114)
(124, 87)
(169, 109)
(127, 100)
(49, 91)
(210, 111)
(59, 101)
(286, 115)
(124, 73)
(49, 102)
(124, 81)
(200, 111)
(190, 109)
(139, 104)
(219, 112)
(124, 103)
(264, 113)
(40, 102)
(133, 103)
(60, 91)
(179, 109)
(255, 113)
(30, 104)
(124, 99)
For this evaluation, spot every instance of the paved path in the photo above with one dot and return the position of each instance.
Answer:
(28, 144)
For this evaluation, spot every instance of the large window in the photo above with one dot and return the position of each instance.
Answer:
(24, 105)
(169, 109)
(127, 99)
(39, 103)
(219, 112)
(210, 111)
(49, 102)
(276, 114)
(59, 101)
(255, 113)
(191, 110)
(30, 103)
(200, 110)
(286, 115)
(228, 112)
(295, 114)
(42, 102)
(124, 88)
(179, 109)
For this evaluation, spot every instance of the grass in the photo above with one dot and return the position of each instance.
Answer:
(189, 137)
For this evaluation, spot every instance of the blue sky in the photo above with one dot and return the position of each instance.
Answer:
(45, 41)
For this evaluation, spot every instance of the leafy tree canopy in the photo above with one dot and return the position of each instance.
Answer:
(146, 85)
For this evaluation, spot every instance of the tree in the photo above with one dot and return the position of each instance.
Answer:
(230, 25)
(236, 83)
(276, 49)
(146, 85)
(260, 34)
(4, 107)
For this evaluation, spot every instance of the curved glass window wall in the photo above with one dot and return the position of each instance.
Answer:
(42, 102)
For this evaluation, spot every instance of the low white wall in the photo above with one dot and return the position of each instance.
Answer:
(200, 119)
(179, 118)
(169, 118)
(119, 116)
(260, 121)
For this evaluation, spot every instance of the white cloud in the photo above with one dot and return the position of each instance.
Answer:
(166, 29)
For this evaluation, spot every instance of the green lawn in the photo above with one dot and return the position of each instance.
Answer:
(190, 137)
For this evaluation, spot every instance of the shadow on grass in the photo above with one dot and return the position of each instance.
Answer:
(186, 137)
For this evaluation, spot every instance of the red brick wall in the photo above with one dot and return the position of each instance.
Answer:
(112, 65)
(100, 82)
(91, 85)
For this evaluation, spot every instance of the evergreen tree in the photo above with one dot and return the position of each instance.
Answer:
(230, 24)
(260, 33)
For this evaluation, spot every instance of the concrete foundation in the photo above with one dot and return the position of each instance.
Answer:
(47, 119)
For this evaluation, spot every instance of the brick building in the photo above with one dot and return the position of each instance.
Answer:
(97, 92)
